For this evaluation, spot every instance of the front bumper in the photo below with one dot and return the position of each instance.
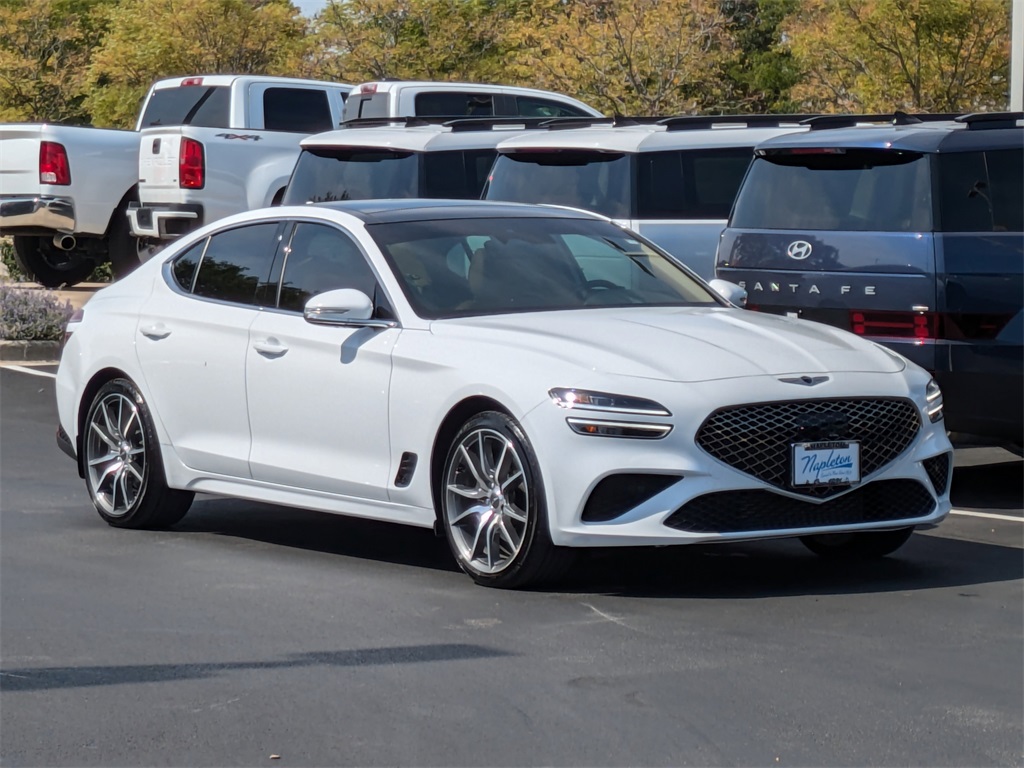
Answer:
(37, 212)
(164, 221)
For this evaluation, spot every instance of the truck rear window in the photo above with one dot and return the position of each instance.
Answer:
(204, 107)
(593, 181)
(855, 191)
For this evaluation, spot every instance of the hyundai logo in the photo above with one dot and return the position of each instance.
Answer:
(799, 250)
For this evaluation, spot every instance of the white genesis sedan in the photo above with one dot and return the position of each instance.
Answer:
(527, 380)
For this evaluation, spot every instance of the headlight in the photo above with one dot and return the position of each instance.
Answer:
(585, 400)
(625, 405)
(933, 396)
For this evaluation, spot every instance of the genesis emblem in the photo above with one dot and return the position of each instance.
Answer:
(807, 381)
(799, 250)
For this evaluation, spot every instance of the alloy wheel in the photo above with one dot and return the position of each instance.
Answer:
(115, 454)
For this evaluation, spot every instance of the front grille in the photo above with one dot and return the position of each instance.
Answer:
(742, 511)
(756, 439)
(937, 468)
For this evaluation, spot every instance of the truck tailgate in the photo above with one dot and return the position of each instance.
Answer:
(19, 159)
(158, 166)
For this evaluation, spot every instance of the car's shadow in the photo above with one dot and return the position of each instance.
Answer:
(740, 570)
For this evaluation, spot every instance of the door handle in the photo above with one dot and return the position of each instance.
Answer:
(155, 331)
(270, 347)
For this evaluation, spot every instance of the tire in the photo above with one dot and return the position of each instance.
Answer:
(126, 252)
(864, 545)
(124, 473)
(48, 265)
(492, 506)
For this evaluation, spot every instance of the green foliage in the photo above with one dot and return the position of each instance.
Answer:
(28, 314)
(762, 71)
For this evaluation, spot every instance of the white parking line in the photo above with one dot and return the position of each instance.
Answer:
(988, 515)
(31, 371)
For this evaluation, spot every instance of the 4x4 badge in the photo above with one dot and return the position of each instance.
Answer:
(799, 250)
(807, 381)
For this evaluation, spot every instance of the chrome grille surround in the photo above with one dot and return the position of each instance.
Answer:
(756, 438)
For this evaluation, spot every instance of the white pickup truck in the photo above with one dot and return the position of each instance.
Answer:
(65, 191)
(196, 172)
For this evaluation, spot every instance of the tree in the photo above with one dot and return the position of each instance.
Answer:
(44, 50)
(915, 55)
(624, 56)
(761, 72)
(151, 39)
(359, 40)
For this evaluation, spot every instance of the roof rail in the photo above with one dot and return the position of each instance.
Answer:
(381, 122)
(696, 122)
(826, 122)
(980, 121)
(488, 123)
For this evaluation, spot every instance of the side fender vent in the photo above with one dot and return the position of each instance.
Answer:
(406, 468)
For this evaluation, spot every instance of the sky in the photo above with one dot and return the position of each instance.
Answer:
(310, 7)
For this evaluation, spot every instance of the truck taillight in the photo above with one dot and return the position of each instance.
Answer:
(53, 164)
(191, 165)
(899, 325)
(192, 81)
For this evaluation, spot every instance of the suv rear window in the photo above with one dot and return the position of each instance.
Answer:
(593, 181)
(981, 191)
(690, 184)
(326, 174)
(188, 105)
(853, 191)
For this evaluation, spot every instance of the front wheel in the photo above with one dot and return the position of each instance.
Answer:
(492, 506)
(123, 469)
(48, 265)
(863, 545)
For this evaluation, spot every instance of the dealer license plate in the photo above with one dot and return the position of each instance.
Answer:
(826, 463)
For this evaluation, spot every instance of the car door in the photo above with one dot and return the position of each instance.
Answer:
(192, 339)
(317, 394)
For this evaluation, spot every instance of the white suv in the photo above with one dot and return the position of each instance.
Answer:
(673, 180)
(400, 158)
(407, 98)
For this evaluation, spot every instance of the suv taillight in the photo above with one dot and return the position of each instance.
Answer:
(191, 165)
(53, 164)
(899, 325)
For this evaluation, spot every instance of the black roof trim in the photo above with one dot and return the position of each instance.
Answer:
(696, 122)
(984, 121)
(827, 122)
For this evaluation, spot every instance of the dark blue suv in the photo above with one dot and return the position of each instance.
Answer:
(910, 233)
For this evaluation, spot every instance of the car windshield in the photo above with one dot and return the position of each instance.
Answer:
(593, 181)
(481, 266)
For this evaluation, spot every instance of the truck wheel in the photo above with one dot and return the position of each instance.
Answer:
(125, 250)
(48, 265)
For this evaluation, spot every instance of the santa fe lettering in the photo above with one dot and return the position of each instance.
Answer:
(759, 287)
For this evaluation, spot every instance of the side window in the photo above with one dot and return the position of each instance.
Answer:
(528, 106)
(694, 184)
(459, 174)
(184, 268)
(296, 110)
(454, 104)
(322, 258)
(236, 262)
(981, 191)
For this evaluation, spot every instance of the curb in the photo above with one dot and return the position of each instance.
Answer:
(29, 351)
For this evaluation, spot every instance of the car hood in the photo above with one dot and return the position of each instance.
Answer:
(671, 344)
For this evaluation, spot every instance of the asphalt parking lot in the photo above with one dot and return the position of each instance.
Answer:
(258, 635)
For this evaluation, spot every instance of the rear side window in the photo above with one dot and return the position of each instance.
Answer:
(851, 191)
(327, 174)
(454, 103)
(184, 268)
(692, 184)
(296, 110)
(236, 262)
(459, 175)
(528, 106)
(593, 181)
(981, 191)
(204, 107)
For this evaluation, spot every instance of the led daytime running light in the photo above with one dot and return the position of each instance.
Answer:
(585, 400)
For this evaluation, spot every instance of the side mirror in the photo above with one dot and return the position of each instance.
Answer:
(343, 306)
(730, 292)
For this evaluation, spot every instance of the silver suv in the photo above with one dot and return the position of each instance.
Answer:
(673, 180)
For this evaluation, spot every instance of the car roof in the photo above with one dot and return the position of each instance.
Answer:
(939, 136)
(642, 138)
(386, 211)
(384, 86)
(418, 138)
(221, 80)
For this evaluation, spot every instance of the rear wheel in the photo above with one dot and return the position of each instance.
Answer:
(123, 469)
(48, 265)
(863, 545)
(493, 508)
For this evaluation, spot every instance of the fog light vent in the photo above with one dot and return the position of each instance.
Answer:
(617, 494)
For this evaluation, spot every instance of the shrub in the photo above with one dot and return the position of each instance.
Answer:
(31, 315)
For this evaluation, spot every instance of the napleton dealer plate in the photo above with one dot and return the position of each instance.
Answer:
(826, 463)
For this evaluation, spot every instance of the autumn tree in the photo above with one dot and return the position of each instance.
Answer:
(761, 71)
(359, 40)
(44, 50)
(915, 55)
(151, 39)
